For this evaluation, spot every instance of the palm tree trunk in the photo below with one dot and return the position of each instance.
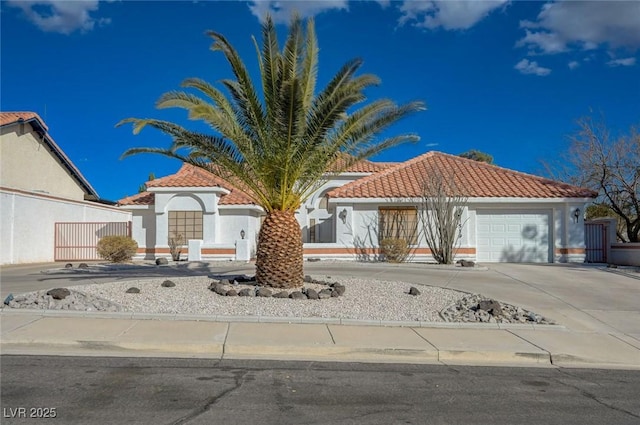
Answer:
(279, 261)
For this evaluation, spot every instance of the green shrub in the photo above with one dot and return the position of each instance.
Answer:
(395, 250)
(117, 249)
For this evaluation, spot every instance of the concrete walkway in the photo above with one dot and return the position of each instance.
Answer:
(597, 310)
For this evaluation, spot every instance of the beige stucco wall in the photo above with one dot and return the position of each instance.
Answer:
(27, 163)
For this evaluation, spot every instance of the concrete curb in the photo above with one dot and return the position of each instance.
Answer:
(374, 353)
(270, 319)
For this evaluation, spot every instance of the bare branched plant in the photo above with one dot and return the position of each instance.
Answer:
(609, 166)
(176, 243)
(441, 216)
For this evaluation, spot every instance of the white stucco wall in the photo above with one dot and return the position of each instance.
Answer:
(566, 233)
(27, 163)
(28, 223)
(221, 224)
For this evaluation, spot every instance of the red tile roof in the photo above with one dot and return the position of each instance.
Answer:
(191, 176)
(144, 198)
(11, 117)
(477, 179)
(363, 166)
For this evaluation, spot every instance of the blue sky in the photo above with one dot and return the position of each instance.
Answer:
(507, 78)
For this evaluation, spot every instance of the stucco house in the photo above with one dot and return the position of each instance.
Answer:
(509, 217)
(40, 188)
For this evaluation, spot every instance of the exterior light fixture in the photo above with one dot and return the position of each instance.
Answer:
(576, 214)
(343, 216)
(242, 233)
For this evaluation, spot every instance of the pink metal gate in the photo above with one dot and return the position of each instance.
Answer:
(78, 241)
(595, 236)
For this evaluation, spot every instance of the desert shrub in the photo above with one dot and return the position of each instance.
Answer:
(395, 250)
(176, 242)
(117, 249)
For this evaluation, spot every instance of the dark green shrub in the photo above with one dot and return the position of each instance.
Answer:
(395, 250)
(117, 249)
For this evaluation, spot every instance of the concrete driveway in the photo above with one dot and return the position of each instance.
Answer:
(580, 297)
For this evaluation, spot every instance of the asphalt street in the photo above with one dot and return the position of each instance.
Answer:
(96, 391)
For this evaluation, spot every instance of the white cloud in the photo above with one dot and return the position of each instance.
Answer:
(573, 64)
(450, 15)
(62, 16)
(281, 11)
(622, 62)
(564, 25)
(531, 67)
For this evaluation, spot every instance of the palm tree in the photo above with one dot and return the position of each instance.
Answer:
(279, 148)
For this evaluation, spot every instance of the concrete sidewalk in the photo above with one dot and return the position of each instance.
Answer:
(598, 308)
(132, 335)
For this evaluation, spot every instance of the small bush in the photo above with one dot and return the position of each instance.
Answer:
(176, 242)
(117, 249)
(395, 250)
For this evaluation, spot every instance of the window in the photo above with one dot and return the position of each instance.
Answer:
(399, 223)
(186, 223)
(312, 230)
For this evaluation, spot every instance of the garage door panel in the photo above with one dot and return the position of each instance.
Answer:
(508, 236)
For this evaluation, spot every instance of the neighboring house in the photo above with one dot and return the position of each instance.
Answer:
(39, 187)
(510, 216)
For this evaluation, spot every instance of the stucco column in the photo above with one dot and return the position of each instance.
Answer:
(210, 227)
(162, 230)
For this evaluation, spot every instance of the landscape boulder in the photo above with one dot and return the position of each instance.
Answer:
(59, 293)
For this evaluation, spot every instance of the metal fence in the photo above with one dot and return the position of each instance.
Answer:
(78, 241)
(596, 241)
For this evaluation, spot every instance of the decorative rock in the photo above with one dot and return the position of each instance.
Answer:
(466, 263)
(492, 307)
(226, 282)
(312, 294)
(414, 291)
(232, 293)
(219, 289)
(297, 295)
(68, 266)
(133, 290)
(324, 294)
(59, 293)
(247, 292)
(161, 261)
(264, 292)
(83, 266)
(340, 289)
(476, 308)
(168, 284)
(8, 300)
(308, 279)
(281, 294)
(334, 294)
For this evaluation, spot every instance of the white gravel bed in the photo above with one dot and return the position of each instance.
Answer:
(363, 300)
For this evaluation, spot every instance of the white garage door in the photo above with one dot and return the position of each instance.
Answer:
(513, 236)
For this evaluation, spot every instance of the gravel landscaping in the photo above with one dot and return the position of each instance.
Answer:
(361, 300)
